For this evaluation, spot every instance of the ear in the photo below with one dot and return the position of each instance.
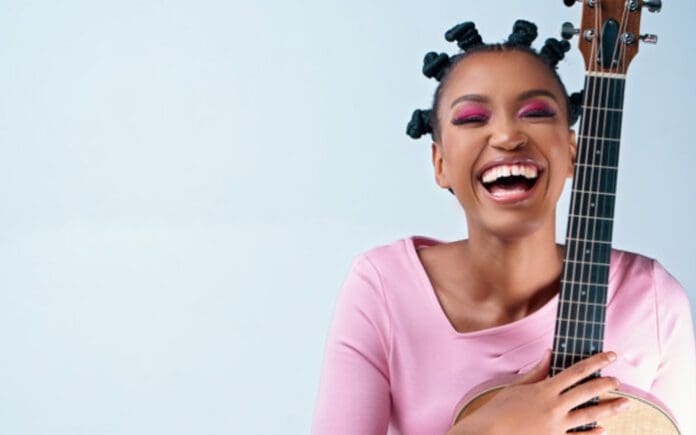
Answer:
(439, 167)
(573, 143)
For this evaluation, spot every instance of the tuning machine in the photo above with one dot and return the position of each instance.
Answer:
(568, 30)
(653, 5)
(649, 38)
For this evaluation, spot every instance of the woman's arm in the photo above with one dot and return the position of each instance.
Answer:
(354, 393)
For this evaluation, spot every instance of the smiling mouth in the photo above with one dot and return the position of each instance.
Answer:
(510, 182)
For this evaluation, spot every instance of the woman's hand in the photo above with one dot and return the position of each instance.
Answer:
(537, 405)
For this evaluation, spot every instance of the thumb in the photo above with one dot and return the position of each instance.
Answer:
(539, 372)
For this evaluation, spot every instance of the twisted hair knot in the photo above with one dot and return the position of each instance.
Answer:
(575, 106)
(523, 33)
(466, 35)
(554, 50)
(419, 124)
(434, 65)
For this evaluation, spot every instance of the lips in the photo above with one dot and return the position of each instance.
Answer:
(510, 180)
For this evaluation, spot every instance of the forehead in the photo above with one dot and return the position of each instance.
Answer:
(499, 75)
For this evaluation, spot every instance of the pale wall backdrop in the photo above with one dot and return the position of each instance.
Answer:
(184, 185)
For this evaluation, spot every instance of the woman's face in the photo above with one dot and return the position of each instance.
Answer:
(505, 147)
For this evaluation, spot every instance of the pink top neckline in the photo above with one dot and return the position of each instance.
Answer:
(534, 321)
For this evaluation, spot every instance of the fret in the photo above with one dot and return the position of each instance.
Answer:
(593, 203)
(604, 152)
(590, 192)
(593, 311)
(598, 229)
(605, 93)
(587, 262)
(590, 251)
(587, 322)
(591, 165)
(598, 138)
(601, 108)
(589, 178)
(592, 217)
(587, 303)
(584, 266)
(589, 240)
(572, 303)
(570, 281)
(603, 123)
(571, 344)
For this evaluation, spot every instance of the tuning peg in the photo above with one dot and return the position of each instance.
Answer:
(570, 3)
(649, 38)
(653, 5)
(568, 30)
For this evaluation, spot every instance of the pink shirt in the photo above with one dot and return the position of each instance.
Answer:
(393, 360)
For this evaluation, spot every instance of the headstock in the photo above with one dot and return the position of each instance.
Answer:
(610, 32)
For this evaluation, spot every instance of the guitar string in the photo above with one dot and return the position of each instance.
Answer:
(619, 119)
(610, 94)
(562, 349)
(582, 175)
(590, 85)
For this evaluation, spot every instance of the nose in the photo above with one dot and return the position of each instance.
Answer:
(506, 136)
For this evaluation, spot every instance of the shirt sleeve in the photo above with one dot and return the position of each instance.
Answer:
(354, 395)
(675, 382)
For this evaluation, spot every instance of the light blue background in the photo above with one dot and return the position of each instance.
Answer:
(184, 185)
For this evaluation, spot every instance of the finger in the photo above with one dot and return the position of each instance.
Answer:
(582, 370)
(539, 372)
(584, 392)
(600, 411)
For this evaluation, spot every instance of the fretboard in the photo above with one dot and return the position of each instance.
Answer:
(583, 296)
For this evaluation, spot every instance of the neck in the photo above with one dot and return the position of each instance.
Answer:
(521, 274)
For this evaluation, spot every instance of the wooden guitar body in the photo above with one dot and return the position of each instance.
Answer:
(645, 416)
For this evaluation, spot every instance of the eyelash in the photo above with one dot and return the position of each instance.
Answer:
(538, 113)
(470, 119)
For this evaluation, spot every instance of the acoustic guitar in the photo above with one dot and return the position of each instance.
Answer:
(609, 38)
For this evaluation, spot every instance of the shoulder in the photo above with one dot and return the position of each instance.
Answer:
(396, 257)
(635, 275)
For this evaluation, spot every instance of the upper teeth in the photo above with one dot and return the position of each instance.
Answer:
(496, 172)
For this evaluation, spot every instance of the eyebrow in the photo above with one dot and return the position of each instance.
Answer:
(523, 96)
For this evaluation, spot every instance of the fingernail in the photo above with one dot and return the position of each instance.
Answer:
(612, 356)
(617, 383)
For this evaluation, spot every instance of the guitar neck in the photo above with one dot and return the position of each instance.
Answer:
(583, 296)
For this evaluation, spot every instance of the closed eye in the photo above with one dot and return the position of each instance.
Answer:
(538, 113)
(471, 116)
(469, 120)
(537, 110)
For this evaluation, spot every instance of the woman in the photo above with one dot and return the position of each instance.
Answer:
(420, 322)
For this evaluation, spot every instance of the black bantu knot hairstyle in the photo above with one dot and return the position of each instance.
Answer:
(554, 50)
(575, 106)
(466, 35)
(523, 33)
(419, 124)
(469, 40)
(435, 65)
